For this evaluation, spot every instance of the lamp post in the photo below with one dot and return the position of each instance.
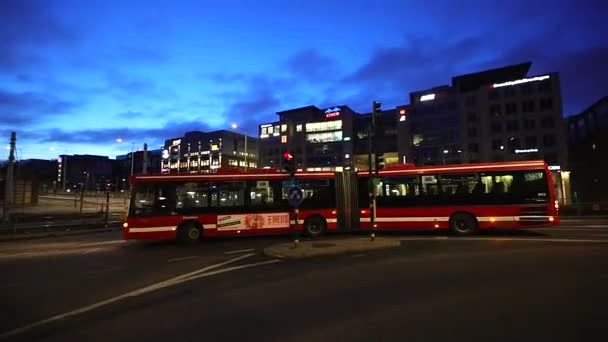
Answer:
(236, 127)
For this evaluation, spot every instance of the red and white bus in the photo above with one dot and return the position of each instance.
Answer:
(463, 198)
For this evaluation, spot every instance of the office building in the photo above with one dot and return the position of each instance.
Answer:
(333, 138)
(588, 145)
(204, 152)
(495, 115)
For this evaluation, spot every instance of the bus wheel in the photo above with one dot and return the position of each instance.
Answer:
(315, 226)
(189, 232)
(463, 224)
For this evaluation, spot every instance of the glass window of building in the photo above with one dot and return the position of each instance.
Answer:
(497, 144)
(527, 106)
(529, 124)
(472, 132)
(283, 139)
(324, 126)
(512, 125)
(546, 103)
(496, 127)
(472, 117)
(474, 147)
(547, 122)
(509, 91)
(549, 140)
(495, 110)
(531, 141)
(511, 108)
(324, 137)
(284, 128)
(471, 101)
(299, 128)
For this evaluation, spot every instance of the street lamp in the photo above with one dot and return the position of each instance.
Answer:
(121, 140)
(236, 127)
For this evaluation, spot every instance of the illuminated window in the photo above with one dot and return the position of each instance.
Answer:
(283, 128)
(346, 156)
(233, 162)
(299, 128)
(324, 126)
(324, 137)
(283, 139)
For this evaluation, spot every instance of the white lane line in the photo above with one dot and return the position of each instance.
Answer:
(91, 250)
(102, 243)
(183, 258)
(503, 239)
(169, 282)
(240, 251)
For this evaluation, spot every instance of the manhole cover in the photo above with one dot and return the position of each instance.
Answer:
(323, 244)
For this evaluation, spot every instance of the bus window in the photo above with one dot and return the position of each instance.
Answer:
(318, 194)
(458, 184)
(261, 194)
(231, 194)
(191, 197)
(398, 191)
(153, 199)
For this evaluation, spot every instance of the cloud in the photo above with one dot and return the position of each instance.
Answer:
(153, 136)
(29, 107)
(27, 27)
(310, 65)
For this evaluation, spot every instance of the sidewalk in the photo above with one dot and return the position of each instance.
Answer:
(57, 233)
(329, 246)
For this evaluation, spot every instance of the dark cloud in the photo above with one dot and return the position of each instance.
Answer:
(152, 136)
(27, 26)
(29, 107)
(310, 65)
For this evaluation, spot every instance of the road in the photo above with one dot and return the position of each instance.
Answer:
(549, 284)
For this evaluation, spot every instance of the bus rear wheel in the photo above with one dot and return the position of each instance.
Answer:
(189, 232)
(463, 224)
(315, 226)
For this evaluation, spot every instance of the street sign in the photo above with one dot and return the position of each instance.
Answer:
(296, 196)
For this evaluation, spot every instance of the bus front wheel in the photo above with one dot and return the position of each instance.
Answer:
(315, 226)
(189, 232)
(463, 224)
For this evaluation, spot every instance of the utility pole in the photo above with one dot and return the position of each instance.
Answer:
(8, 182)
(145, 166)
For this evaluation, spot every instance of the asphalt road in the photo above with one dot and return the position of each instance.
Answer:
(549, 284)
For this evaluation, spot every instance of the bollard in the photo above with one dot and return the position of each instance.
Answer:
(372, 236)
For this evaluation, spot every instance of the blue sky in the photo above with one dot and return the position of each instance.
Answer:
(77, 75)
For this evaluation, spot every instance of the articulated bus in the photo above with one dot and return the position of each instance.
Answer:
(462, 198)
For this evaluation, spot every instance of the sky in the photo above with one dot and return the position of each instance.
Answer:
(77, 75)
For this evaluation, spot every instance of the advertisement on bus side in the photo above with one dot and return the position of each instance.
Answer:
(253, 221)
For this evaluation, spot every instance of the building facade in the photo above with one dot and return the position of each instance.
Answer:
(491, 116)
(84, 171)
(132, 163)
(204, 152)
(588, 151)
(329, 139)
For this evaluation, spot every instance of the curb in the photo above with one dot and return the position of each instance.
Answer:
(309, 249)
(56, 233)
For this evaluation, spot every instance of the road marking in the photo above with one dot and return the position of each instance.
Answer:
(240, 251)
(102, 243)
(91, 250)
(502, 239)
(570, 229)
(160, 285)
(183, 258)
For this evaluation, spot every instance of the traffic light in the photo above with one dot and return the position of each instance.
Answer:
(380, 162)
(376, 110)
(289, 163)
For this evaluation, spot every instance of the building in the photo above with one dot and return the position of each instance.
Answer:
(494, 115)
(132, 163)
(202, 152)
(84, 171)
(588, 145)
(334, 138)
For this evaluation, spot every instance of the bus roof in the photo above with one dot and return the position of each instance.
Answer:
(409, 169)
(399, 169)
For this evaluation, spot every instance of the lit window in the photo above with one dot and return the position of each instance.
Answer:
(232, 162)
(324, 126)
(346, 156)
(283, 139)
(299, 128)
(324, 137)
(283, 128)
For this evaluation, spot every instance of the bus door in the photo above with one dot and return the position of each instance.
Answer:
(347, 206)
